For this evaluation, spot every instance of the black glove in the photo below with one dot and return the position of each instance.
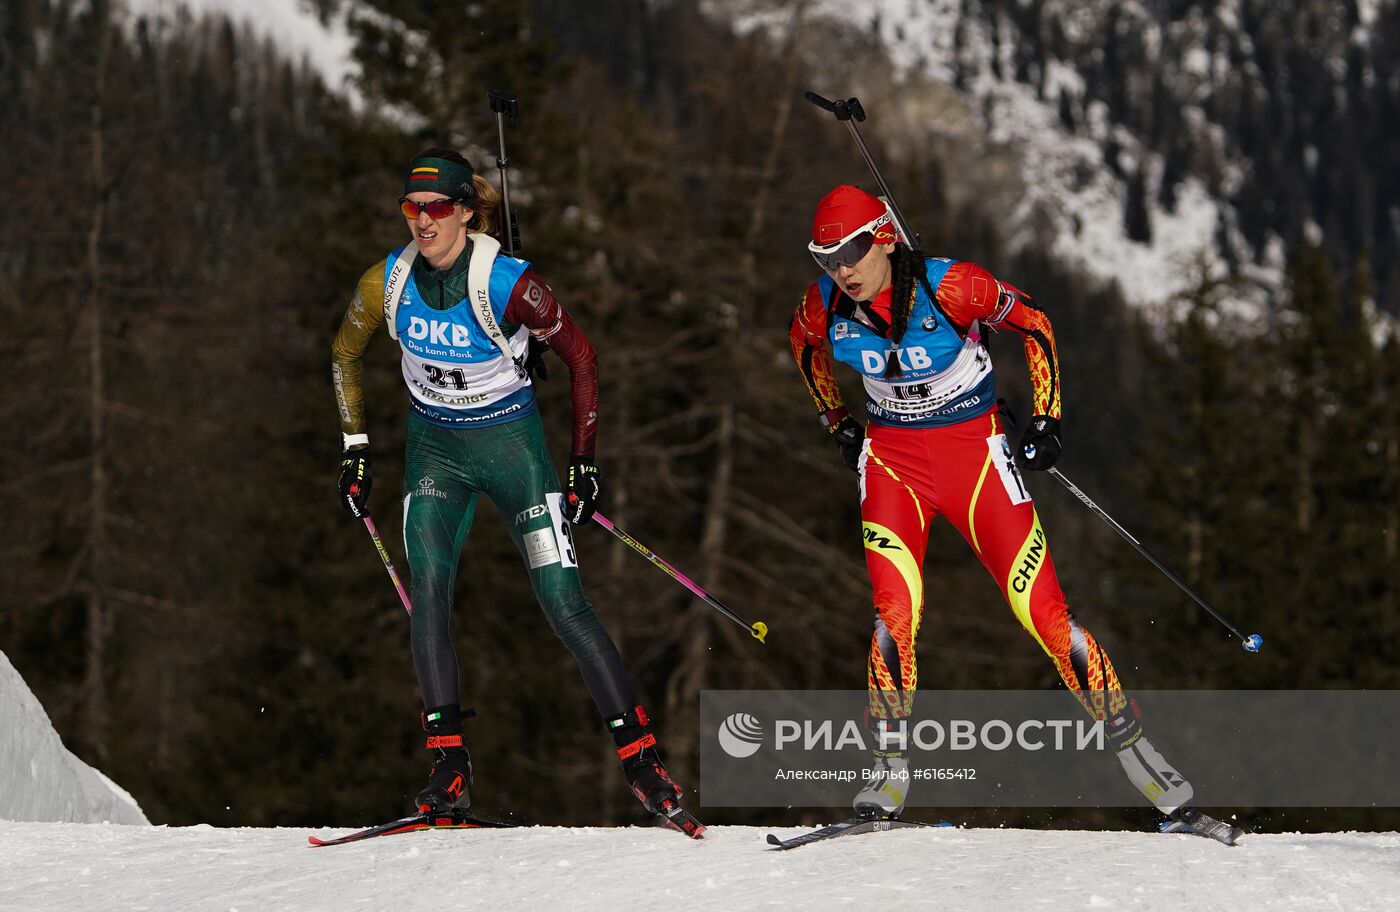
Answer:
(850, 439)
(1040, 445)
(534, 360)
(355, 481)
(584, 487)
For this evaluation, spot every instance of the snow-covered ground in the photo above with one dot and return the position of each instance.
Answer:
(39, 779)
(68, 865)
(75, 866)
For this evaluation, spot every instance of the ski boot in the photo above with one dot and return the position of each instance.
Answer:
(449, 785)
(887, 785)
(1160, 783)
(1147, 769)
(646, 775)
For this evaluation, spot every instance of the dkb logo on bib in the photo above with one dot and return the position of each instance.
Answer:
(436, 332)
(913, 358)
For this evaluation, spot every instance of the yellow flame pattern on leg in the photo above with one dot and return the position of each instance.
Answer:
(898, 696)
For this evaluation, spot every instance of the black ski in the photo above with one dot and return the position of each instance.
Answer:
(1187, 820)
(1194, 822)
(853, 826)
(452, 820)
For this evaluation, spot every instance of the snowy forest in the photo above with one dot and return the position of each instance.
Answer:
(188, 209)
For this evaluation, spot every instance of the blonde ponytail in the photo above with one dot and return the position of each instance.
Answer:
(485, 202)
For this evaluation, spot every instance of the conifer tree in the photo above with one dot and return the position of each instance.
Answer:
(1203, 475)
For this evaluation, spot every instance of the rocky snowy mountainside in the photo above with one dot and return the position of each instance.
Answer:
(1151, 132)
(1146, 134)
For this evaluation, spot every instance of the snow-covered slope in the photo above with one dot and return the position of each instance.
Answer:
(39, 778)
(68, 866)
(1068, 197)
(326, 48)
(1065, 184)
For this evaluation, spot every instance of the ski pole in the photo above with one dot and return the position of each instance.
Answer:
(388, 564)
(503, 104)
(850, 112)
(1251, 643)
(758, 630)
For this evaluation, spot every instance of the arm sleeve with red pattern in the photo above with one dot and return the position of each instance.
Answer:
(807, 335)
(532, 304)
(968, 292)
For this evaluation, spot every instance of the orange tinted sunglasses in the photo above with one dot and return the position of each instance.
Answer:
(437, 209)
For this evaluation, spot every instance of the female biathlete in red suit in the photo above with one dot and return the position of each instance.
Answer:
(913, 328)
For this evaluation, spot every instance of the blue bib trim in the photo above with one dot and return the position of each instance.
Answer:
(980, 401)
(517, 405)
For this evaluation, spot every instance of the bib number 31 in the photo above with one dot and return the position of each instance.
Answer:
(452, 378)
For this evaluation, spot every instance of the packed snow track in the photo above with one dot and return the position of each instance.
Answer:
(72, 866)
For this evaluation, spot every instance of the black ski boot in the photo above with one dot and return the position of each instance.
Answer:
(646, 775)
(449, 785)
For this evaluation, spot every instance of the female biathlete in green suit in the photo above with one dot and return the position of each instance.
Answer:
(463, 315)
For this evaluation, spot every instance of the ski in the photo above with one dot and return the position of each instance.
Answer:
(853, 826)
(1193, 822)
(678, 818)
(452, 820)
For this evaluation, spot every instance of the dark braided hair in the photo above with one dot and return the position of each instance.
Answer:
(906, 263)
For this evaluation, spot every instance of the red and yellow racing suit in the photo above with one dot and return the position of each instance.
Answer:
(934, 446)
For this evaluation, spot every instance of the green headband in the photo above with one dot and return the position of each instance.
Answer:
(430, 174)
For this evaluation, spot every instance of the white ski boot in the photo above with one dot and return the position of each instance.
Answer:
(887, 788)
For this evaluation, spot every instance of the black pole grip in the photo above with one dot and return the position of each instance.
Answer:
(503, 102)
(844, 108)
